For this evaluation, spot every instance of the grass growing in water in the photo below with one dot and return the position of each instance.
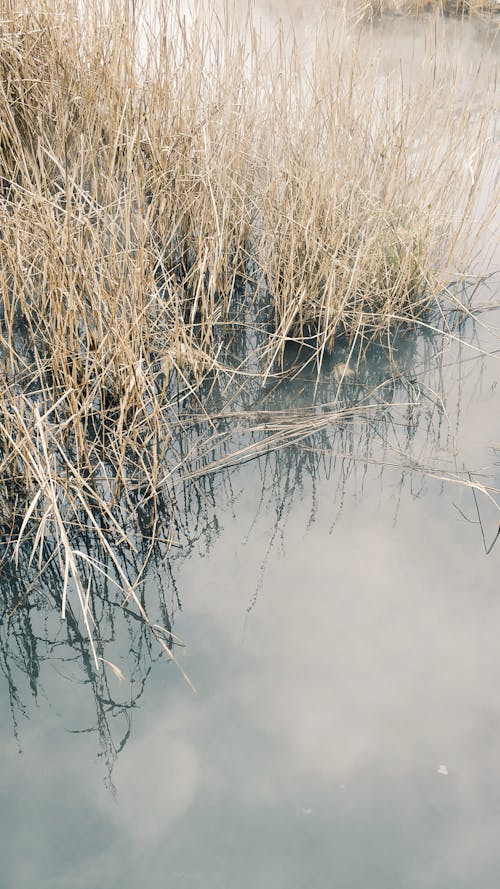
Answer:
(416, 7)
(161, 183)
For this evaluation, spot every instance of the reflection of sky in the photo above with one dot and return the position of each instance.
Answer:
(309, 756)
(335, 676)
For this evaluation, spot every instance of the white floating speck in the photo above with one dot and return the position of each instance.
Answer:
(442, 770)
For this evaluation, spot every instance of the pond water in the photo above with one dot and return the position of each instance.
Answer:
(342, 620)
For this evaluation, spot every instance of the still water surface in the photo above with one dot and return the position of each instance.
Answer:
(343, 623)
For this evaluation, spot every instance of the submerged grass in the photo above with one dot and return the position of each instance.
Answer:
(166, 182)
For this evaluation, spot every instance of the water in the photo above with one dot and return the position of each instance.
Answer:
(341, 619)
(342, 623)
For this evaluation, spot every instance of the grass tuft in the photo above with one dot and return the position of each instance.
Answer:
(168, 181)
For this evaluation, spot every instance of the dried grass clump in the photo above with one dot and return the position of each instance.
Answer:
(101, 324)
(371, 209)
(373, 8)
(153, 169)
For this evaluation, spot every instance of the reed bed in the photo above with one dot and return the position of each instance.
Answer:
(166, 182)
(417, 7)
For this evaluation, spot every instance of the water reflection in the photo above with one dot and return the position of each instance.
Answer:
(342, 621)
(404, 425)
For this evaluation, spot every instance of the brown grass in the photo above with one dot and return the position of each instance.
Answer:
(417, 7)
(161, 184)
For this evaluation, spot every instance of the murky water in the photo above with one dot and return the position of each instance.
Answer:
(342, 621)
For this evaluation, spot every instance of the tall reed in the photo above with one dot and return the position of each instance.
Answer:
(166, 180)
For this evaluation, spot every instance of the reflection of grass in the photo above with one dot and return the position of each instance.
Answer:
(394, 429)
(159, 185)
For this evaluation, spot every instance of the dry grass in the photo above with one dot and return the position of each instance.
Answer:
(149, 177)
(373, 211)
(372, 8)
